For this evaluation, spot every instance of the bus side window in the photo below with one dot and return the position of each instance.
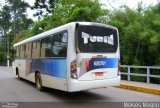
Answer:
(17, 52)
(24, 46)
(36, 49)
(22, 51)
(28, 50)
(46, 47)
(59, 47)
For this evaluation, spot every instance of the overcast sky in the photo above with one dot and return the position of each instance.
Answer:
(129, 3)
(116, 3)
(108, 4)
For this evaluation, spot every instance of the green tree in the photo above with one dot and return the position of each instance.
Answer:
(13, 19)
(66, 11)
(43, 7)
(5, 18)
(139, 34)
(18, 11)
(23, 35)
(2, 57)
(5, 22)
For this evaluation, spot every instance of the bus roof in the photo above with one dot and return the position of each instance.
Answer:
(58, 29)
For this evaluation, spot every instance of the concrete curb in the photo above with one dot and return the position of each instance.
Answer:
(140, 89)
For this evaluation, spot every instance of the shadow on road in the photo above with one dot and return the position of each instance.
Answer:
(81, 96)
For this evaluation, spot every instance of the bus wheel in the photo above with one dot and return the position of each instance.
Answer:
(17, 71)
(39, 82)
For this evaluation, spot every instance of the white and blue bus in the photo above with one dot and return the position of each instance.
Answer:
(73, 57)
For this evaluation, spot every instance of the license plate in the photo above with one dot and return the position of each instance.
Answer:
(98, 73)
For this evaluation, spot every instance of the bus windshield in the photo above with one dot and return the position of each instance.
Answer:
(96, 39)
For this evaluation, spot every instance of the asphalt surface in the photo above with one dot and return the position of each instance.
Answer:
(14, 90)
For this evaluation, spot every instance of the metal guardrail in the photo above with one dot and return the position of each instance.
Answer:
(147, 75)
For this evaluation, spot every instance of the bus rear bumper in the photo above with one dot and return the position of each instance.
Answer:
(76, 85)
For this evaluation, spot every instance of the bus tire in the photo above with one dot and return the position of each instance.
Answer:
(38, 81)
(17, 72)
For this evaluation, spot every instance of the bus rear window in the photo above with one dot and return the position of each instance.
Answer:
(96, 39)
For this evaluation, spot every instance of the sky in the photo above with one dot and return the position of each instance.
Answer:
(116, 3)
(109, 4)
(130, 3)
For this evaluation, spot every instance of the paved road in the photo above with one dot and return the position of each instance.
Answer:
(13, 90)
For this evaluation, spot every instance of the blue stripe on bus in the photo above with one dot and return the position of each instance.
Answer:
(59, 68)
(51, 67)
(97, 63)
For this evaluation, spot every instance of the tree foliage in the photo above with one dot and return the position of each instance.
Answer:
(13, 19)
(43, 7)
(22, 35)
(65, 11)
(5, 23)
(5, 18)
(19, 16)
(2, 57)
(139, 34)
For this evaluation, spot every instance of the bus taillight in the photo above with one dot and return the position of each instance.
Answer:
(74, 69)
